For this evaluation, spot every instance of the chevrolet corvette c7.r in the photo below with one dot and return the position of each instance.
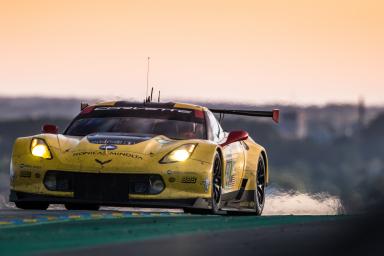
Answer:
(142, 154)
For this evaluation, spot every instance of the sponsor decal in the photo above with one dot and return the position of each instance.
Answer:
(22, 166)
(102, 153)
(108, 147)
(188, 179)
(229, 174)
(183, 111)
(116, 139)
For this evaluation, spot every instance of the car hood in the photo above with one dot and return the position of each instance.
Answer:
(112, 151)
(110, 143)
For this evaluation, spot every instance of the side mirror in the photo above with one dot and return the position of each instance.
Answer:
(235, 136)
(50, 128)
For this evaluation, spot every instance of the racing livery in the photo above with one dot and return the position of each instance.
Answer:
(142, 154)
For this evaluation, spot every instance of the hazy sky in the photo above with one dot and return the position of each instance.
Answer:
(296, 51)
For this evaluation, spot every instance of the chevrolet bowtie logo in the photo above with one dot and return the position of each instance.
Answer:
(102, 163)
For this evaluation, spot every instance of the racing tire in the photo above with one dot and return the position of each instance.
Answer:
(32, 205)
(86, 207)
(260, 187)
(216, 183)
(215, 191)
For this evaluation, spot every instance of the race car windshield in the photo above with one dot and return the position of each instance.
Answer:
(175, 125)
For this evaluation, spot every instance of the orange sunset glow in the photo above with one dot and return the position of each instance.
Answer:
(298, 51)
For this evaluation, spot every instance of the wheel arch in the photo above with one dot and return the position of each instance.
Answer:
(221, 153)
(223, 162)
(265, 158)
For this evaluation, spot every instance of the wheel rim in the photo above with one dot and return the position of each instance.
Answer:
(217, 180)
(260, 182)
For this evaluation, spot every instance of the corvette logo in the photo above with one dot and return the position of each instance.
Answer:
(102, 163)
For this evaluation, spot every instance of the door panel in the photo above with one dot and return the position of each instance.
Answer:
(234, 167)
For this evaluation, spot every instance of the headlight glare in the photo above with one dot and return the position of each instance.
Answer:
(40, 149)
(180, 154)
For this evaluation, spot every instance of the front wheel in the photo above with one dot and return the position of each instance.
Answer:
(32, 205)
(260, 187)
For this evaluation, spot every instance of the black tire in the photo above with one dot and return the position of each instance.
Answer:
(32, 205)
(87, 207)
(260, 187)
(215, 190)
(216, 183)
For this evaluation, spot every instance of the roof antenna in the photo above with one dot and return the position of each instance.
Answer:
(146, 92)
(83, 105)
(151, 94)
(158, 98)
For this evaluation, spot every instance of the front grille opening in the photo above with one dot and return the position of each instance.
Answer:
(103, 185)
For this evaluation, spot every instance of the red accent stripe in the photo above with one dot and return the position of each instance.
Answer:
(275, 115)
(199, 114)
(87, 110)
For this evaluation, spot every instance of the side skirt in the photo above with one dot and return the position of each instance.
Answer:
(238, 200)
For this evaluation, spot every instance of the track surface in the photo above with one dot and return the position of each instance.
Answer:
(316, 238)
(138, 233)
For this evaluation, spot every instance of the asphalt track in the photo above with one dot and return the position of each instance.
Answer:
(60, 232)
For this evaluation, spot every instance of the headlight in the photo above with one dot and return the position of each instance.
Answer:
(40, 149)
(181, 153)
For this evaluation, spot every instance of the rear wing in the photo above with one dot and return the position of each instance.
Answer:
(274, 113)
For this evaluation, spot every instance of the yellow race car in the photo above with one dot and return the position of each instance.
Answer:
(142, 154)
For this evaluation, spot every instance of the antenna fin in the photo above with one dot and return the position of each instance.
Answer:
(146, 92)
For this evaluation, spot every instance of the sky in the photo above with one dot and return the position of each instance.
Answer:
(275, 51)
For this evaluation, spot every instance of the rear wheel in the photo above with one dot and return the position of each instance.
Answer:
(88, 207)
(260, 187)
(216, 183)
(32, 205)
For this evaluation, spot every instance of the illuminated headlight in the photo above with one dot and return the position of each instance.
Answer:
(40, 149)
(180, 154)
